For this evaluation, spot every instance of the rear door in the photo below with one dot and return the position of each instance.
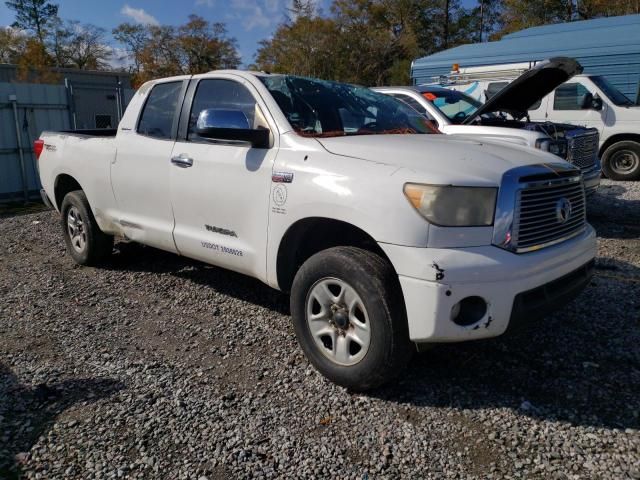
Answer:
(140, 172)
(220, 190)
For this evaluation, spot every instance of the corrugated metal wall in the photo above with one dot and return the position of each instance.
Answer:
(47, 107)
(39, 107)
(604, 46)
(623, 71)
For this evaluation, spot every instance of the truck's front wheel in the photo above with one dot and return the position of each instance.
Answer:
(621, 161)
(349, 317)
(86, 243)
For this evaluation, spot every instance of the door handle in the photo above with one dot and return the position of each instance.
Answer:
(182, 161)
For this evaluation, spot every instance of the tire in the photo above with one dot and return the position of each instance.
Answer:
(621, 161)
(339, 347)
(86, 243)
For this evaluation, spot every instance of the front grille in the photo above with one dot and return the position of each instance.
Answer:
(548, 211)
(583, 150)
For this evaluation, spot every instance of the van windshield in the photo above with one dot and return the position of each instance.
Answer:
(454, 105)
(612, 93)
(319, 108)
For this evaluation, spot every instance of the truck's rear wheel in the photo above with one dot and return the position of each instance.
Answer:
(86, 243)
(349, 317)
(621, 161)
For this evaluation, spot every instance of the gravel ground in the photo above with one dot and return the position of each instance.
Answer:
(160, 367)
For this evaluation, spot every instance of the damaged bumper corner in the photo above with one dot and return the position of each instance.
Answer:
(514, 287)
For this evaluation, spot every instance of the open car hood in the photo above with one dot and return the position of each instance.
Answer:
(528, 88)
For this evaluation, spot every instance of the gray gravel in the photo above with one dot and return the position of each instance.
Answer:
(160, 367)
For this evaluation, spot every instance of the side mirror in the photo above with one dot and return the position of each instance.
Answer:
(596, 103)
(233, 125)
(586, 102)
(591, 102)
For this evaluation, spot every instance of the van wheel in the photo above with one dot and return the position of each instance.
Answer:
(86, 243)
(349, 317)
(621, 161)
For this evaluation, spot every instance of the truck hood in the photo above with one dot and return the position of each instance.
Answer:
(442, 159)
(533, 85)
(519, 136)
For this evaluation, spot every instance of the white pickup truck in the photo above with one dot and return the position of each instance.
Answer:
(386, 234)
(456, 113)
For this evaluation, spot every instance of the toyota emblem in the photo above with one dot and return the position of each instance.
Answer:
(563, 210)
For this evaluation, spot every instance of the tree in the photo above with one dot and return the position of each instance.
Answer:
(163, 50)
(57, 41)
(520, 14)
(302, 45)
(86, 48)
(586, 9)
(133, 37)
(75, 45)
(206, 46)
(12, 44)
(33, 16)
(34, 65)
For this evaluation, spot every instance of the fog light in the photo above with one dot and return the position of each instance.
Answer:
(468, 311)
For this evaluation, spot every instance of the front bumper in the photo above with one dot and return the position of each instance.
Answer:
(434, 280)
(591, 178)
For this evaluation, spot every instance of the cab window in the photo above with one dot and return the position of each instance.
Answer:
(159, 110)
(494, 88)
(223, 95)
(412, 103)
(569, 96)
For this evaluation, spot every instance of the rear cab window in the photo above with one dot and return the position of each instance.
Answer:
(159, 111)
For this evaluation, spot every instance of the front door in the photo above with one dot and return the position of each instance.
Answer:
(565, 106)
(141, 170)
(220, 190)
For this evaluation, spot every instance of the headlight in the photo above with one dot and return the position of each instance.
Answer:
(557, 147)
(448, 206)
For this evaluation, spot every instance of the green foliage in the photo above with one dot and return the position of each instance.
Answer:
(370, 42)
(33, 15)
(198, 46)
(373, 42)
(519, 14)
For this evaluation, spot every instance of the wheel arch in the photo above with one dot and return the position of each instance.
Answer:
(64, 184)
(620, 137)
(311, 235)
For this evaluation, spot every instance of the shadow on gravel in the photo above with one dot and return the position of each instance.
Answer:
(139, 258)
(581, 365)
(613, 216)
(26, 413)
(16, 209)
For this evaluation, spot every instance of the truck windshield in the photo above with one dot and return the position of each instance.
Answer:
(454, 105)
(615, 95)
(319, 108)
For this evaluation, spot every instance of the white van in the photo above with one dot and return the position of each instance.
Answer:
(587, 100)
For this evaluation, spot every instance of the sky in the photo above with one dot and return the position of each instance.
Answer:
(249, 21)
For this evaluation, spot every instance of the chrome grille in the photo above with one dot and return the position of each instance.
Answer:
(583, 149)
(548, 212)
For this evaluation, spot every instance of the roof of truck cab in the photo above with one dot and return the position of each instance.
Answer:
(603, 46)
